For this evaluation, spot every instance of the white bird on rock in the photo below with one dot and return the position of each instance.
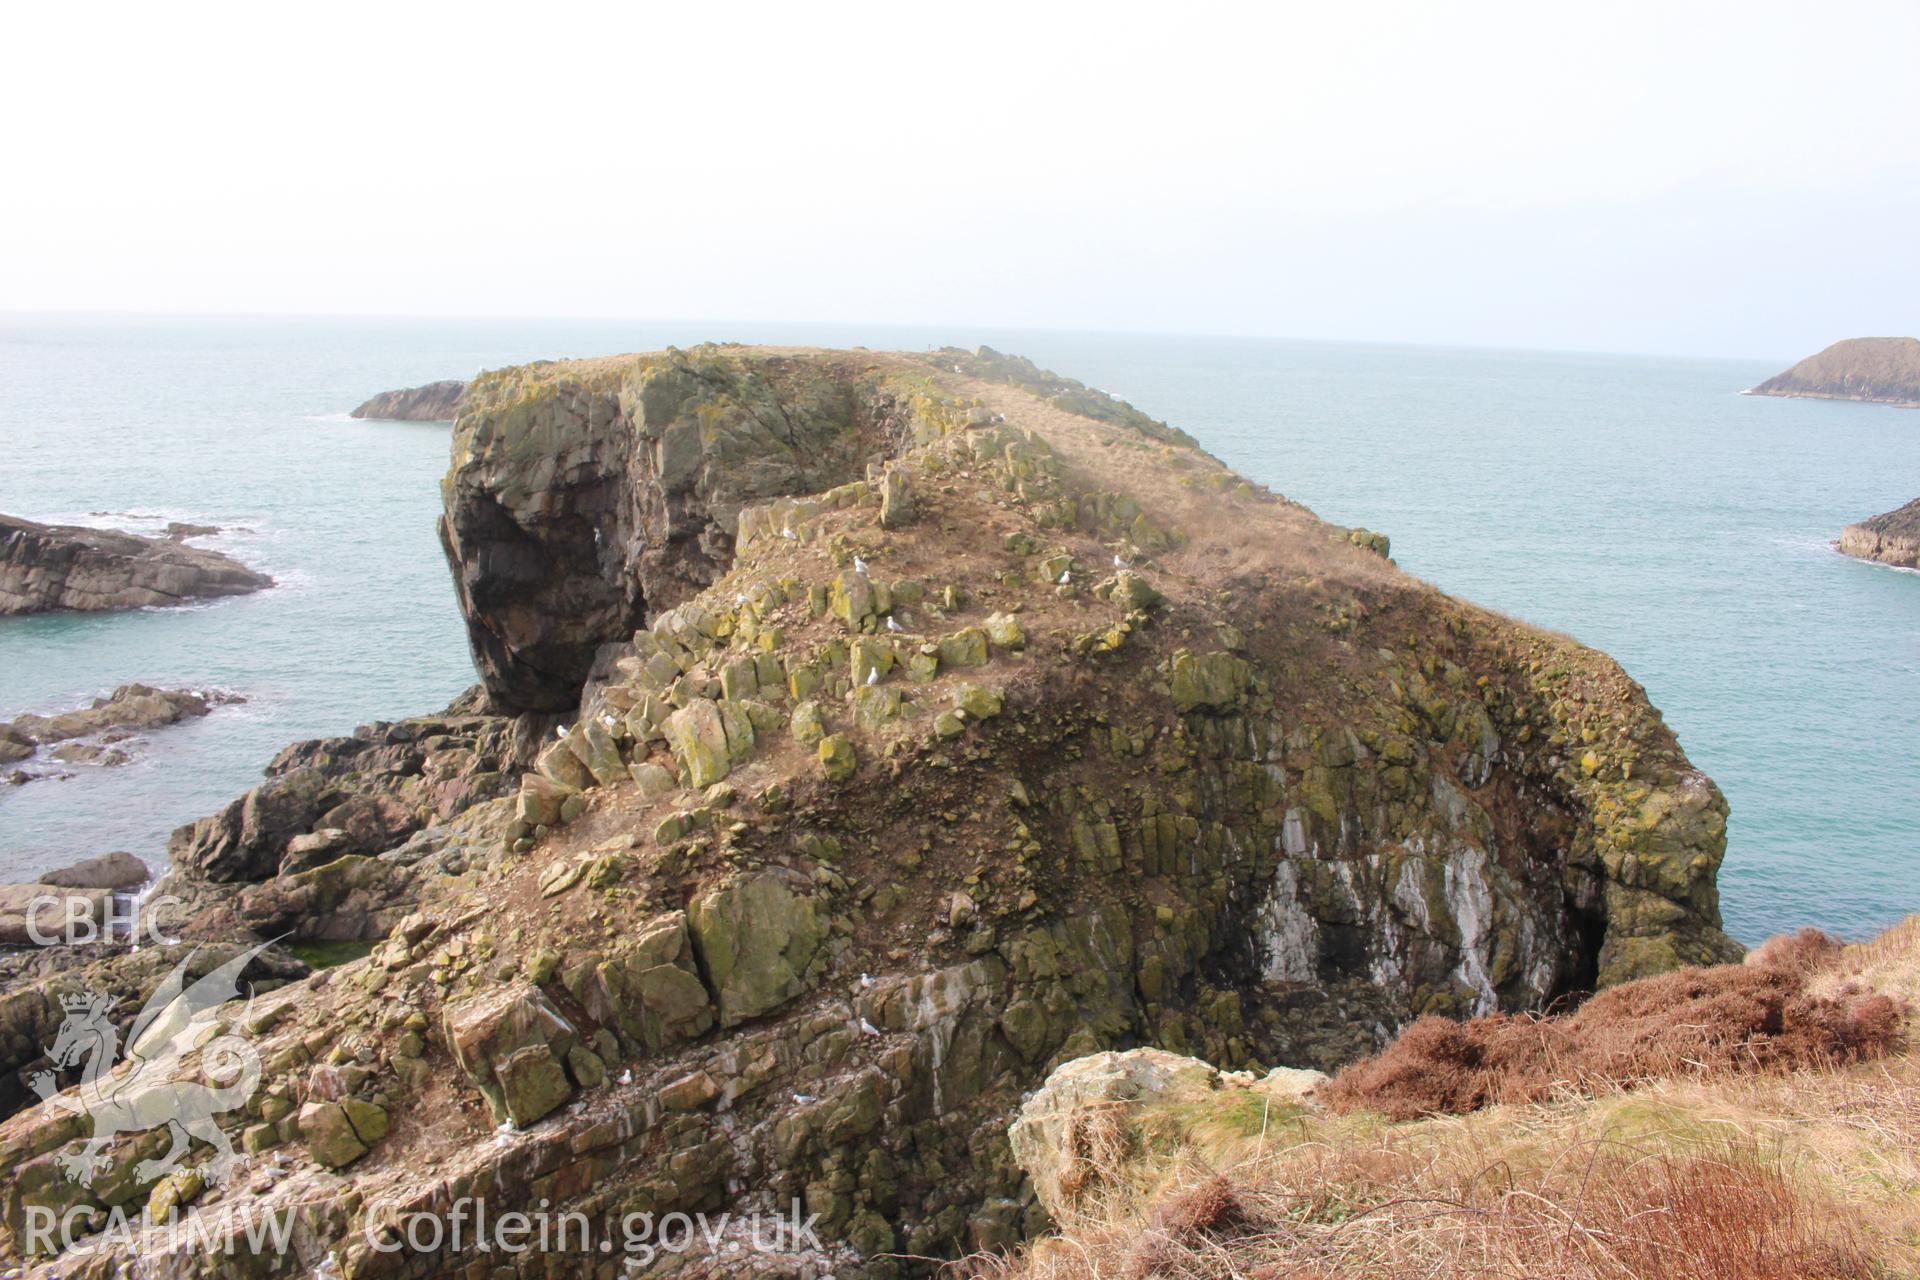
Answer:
(868, 1028)
(873, 675)
(1118, 563)
(859, 565)
(894, 626)
(1066, 576)
(789, 535)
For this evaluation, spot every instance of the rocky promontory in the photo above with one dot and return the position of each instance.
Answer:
(434, 402)
(861, 737)
(46, 567)
(1893, 538)
(1883, 370)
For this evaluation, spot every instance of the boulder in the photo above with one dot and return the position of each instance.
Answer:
(51, 912)
(121, 871)
(1113, 1124)
(649, 987)
(513, 1044)
(896, 498)
(757, 941)
(698, 736)
(330, 1135)
(838, 761)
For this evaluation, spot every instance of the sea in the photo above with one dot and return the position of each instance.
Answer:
(1640, 504)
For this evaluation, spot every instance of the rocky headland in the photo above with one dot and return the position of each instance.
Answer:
(46, 567)
(434, 402)
(1883, 370)
(1893, 538)
(860, 738)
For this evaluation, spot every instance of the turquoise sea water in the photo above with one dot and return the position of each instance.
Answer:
(1638, 504)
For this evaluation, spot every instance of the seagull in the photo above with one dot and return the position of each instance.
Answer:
(1118, 563)
(894, 626)
(560, 731)
(789, 535)
(626, 1077)
(869, 1028)
(740, 597)
(873, 675)
(866, 980)
(1066, 576)
(607, 721)
(804, 1098)
(503, 1136)
(859, 565)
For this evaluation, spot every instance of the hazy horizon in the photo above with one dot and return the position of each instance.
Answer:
(957, 334)
(1722, 180)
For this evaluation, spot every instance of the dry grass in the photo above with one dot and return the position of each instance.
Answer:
(1408, 1208)
(1758, 1016)
(1773, 1155)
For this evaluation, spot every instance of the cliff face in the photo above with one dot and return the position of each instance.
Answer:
(585, 497)
(434, 402)
(1893, 538)
(929, 721)
(1880, 369)
(44, 567)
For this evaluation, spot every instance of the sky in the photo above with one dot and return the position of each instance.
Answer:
(1684, 177)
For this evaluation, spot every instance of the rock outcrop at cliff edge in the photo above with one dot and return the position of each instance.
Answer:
(931, 721)
(45, 567)
(1893, 538)
(1886, 370)
(434, 402)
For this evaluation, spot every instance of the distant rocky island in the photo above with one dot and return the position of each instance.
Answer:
(434, 402)
(45, 567)
(1881, 370)
(1893, 538)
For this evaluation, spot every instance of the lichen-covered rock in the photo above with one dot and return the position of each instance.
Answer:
(513, 1045)
(896, 498)
(966, 647)
(698, 735)
(1005, 631)
(838, 760)
(648, 988)
(329, 1135)
(758, 941)
(1208, 681)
